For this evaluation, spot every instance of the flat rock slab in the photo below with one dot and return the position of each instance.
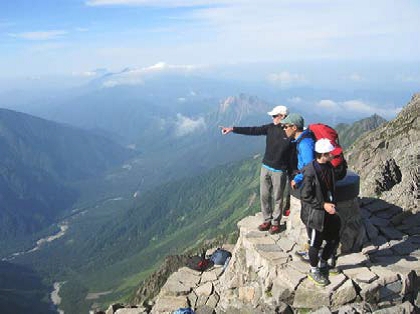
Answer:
(346, 293)
(285, 244)
(310, 296)
(385, 275)
(205, 289)
(277, 256)
(291, 276)
(360, 274)
(268, 248)
(335, 282)
(169, 304)
(299, 265)
(260, 241)
(351, 260)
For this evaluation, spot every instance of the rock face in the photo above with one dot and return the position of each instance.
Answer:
(387, 159)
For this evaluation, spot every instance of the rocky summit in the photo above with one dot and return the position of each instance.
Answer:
(387, 159)
(265, 275)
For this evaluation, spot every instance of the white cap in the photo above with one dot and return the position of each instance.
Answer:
(279, 110)
(324, 146)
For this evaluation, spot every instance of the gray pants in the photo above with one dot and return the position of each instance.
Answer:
(272, 186)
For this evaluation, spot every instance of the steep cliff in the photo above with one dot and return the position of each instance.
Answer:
(387, 159)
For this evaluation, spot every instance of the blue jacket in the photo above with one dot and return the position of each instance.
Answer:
(305, 146)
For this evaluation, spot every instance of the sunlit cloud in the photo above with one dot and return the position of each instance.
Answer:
(137, 76)
(39, 36)
(355, 77)
(295, 100)
(327, 104)
(185, 125)
(357, 107)
(93, 73)
(408, 78)
(287, 79)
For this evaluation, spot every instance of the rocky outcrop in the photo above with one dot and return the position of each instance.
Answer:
(266, 276)
(387, 159)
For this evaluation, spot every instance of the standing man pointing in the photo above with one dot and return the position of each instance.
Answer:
(274, 167)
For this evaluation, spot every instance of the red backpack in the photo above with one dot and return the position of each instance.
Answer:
(319, 131)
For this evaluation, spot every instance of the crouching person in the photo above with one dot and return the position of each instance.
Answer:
(318, 211)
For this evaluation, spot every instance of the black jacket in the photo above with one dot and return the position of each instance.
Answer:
(277, 147)
(313, 197)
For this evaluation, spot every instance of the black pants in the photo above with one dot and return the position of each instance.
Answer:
(331, 234)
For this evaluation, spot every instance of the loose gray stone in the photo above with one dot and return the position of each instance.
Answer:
(404, 308)
(390, 290)
(344, 294)
(370, 292)
(385, 275)
(322, 310)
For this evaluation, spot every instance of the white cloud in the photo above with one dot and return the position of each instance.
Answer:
(286, 79)
(295, 100)
(185, 125)
(137, 76)
(408, 78)
(39, 36)
(357, 108)
(327, 104)
(93, 73)
(355, 77)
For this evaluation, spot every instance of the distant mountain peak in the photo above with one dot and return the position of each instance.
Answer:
(235, 109)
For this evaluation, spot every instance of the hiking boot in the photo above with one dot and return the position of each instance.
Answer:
(333, 271)
(325, 271)
(303, 255)
(318, 278)
(264, 226)
(274, 229)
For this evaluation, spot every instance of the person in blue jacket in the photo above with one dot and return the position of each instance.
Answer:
(304, 145)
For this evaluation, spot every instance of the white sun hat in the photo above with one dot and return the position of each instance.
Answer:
(279, 110)
(324, 146)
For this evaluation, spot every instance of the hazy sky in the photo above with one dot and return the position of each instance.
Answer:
(79, 36)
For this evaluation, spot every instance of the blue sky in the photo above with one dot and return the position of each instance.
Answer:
(76, 37)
